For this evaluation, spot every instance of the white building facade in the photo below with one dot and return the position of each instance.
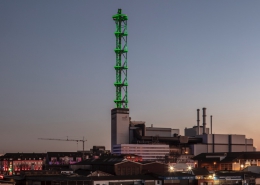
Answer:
(149, 152)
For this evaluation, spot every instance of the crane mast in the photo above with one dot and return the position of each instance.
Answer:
(77, 140)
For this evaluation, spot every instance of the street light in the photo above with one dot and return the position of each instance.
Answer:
(189, 169)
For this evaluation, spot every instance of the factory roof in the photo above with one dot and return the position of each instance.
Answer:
(242, 174)
(226, 156)
(200, 171)
(151, 162)
(63, 154)
(23, 156)
(175, 175)
(83, 178)
(102, 160)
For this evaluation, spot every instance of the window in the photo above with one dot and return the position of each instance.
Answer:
(226, 166)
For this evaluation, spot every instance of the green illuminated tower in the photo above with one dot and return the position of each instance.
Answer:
(121, 50)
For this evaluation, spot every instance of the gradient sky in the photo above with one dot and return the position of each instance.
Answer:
(57, 68)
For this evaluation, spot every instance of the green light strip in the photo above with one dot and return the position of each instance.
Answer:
(121, 50)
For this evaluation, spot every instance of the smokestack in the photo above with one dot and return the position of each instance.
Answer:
(204, 120)
(198, 121)
(211, 123)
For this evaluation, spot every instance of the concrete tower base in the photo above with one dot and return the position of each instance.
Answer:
(119, 126)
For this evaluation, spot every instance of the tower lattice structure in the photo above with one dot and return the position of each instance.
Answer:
(121, 67)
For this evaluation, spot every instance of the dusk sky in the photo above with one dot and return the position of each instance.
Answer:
(57, 68)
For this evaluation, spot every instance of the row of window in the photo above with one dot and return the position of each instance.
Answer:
(10, 159)
(141, 147)
(143, 150)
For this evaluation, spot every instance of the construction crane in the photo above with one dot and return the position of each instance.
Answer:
(77, 140)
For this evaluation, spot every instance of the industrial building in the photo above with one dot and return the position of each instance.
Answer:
(134, 137)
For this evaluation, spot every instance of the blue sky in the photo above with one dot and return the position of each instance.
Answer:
(57, 75)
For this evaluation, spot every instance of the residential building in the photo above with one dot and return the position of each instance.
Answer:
(14, 163)
(58, 160)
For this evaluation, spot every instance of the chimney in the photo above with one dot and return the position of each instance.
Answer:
(204, 120)
(198, 121)
(211, 123)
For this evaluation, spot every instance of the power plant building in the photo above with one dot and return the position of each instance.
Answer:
(163, 132)
(133, 137)
(192, 132)
(212, 143)
(154, 143)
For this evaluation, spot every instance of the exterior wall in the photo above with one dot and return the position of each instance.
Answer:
(153, 182)
(190, 132)
(179, 182)
(210, 148)
(221, 148)
(6, 183)
(104, 182)
(237, 148)
(119, 126)
(207, 138)
(147, 152)
(131, 135)
(162, 132)
(194, 131)
(238, 139)
(236, 166)
(58, 160)
(249, 145)
(118, 182)
(226, 143)
(249, 148)
(249, 141)
(14, 163)
(199, 148)
(128, 168)
(209, 165)
(221, 139)
(205, 181)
